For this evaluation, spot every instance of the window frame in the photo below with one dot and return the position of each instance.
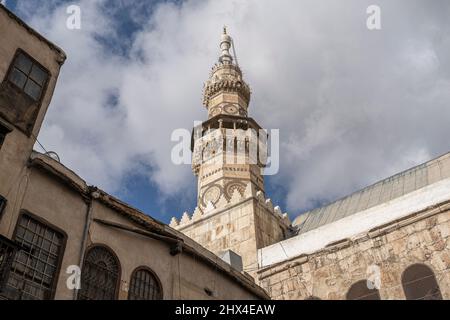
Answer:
(119, 267)
(34, 61)
(43, 221)
(3, 203)
(155, 276)
(5, 129)
(5, 265)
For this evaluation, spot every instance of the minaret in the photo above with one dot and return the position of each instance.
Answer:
(228, 152)
(222, 144)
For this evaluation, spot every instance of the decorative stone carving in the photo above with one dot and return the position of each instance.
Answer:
(222, 202)
(185, 219)
(260, 196)
(211, 194)
(197, 214)
(173, 222)
(269, 204)
(231, 109)
(209, 207)
(277, 210)
(236, 196)
(234, 185)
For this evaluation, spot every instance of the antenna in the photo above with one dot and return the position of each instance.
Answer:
(53, 155)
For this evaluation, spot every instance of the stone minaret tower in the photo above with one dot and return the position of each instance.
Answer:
(228, 158)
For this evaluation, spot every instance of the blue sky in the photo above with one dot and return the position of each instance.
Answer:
(353, 106)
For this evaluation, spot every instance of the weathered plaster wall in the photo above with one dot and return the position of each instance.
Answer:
(17, 146)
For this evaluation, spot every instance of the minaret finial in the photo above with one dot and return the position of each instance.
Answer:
(225, 45)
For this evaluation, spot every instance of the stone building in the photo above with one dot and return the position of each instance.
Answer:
(387, 241)
(229, 214)
(54, 226)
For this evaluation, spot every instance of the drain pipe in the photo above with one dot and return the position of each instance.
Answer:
(93, 194)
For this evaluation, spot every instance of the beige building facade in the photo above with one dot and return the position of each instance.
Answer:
(63, 239)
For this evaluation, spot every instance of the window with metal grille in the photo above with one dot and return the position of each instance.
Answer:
(100, 275)
(419, 283)
(144, 285)
(2, 138)
(4, 130)
(28, 75)
(36, 265)
(8, 251)
(2, 205)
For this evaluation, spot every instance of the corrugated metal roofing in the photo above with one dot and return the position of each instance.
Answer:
(376, 194)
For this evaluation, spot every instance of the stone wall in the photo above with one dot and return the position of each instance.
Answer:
(422, 238)
(244, 224)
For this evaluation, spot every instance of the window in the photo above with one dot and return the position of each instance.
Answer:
(4, 130)
(2, 205)
(144, 285)
(100, 275)
(419, 283)
(7, 253)
(361, 291)
(2, 137)
(35, 268)
(28, 76)
(312, 298)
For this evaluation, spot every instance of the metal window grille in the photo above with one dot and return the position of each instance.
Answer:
(8, 251)
(100, 275)
(33, 272)
(2, 138)
(144, 286)
(2, 203)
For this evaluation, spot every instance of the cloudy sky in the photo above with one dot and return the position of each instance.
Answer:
(353, 106)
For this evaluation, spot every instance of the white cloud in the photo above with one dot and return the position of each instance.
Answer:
(353, 105)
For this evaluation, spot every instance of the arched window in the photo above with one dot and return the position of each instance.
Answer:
(419, 283)
(100, 275)
(360, 291)
(144, 285)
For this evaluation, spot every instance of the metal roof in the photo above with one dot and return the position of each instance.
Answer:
(376, 194)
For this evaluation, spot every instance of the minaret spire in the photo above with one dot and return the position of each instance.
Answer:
(225, 45)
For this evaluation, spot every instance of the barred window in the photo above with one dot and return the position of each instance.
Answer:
(144, 285)
(419, 283)
(28, 76)
(8, 251)
(2, 205)
(100, 275)
(35, 268)
(4, 130)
